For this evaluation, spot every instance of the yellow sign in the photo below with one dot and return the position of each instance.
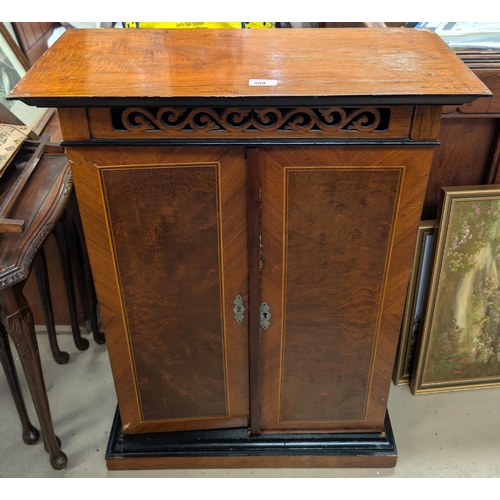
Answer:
(199, 25)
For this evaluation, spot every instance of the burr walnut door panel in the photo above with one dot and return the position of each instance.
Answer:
(167, 242)
(338, 225)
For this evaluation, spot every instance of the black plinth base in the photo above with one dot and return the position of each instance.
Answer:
(233, 448)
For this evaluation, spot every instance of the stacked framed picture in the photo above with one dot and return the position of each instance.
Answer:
(459, 345)
(416, 301)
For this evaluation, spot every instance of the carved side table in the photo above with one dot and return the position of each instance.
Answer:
(40, 205)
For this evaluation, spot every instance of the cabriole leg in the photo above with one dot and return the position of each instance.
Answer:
(62, 243)
(83, 272)
(30, 433)
(18, 320)
(42, 279)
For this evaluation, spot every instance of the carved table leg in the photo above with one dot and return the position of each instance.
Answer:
(62, 243)
(30, 433)
(42, 279)
(18, 319)
(82, 264)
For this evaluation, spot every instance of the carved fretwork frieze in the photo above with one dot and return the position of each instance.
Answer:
(323, 121)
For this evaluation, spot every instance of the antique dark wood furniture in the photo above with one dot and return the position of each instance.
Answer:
(75, 260)
(469, 149)
(33, 38)
(30, 432)
(68, 233)
(250, 201)
(40, 204)
(26, 162)
(469, 136)
(64, 222)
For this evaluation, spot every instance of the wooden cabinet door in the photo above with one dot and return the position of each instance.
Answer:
(166, 233)
(338, 229)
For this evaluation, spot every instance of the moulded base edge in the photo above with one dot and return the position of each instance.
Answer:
(234, 448)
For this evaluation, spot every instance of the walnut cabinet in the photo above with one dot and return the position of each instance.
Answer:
(250, 202)
(172, 241)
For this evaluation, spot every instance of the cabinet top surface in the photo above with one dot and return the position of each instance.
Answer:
(147, 64)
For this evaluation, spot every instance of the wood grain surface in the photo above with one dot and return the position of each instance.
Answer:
(463, 157)
(488, 74)
(219, 63)
(33, 38)
(74, 124)
(57, 290)
(337, 253)
(40, 205)
(166, 276)
(165, 226)
(273, 462)
(426, 121)
(338, 229)
(469, 151)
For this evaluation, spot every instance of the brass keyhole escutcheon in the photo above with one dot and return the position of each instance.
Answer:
(265, 315)
(239, 309)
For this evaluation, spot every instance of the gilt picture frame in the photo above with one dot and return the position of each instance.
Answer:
(13, 66)
(416, 298)
(459, 347)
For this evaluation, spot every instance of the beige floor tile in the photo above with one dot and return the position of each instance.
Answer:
(438, 435)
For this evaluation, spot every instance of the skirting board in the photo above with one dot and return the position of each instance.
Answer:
(233, 448)
(61, 329)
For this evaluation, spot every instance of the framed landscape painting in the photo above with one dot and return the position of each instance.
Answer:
(460, 344)
(416, 298)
